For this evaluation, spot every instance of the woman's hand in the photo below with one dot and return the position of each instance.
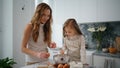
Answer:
(42, 55)
(52, 45)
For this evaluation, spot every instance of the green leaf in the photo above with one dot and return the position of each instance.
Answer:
(7, 63)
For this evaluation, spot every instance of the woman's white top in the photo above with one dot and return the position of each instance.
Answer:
(38, 46)
(75, 47)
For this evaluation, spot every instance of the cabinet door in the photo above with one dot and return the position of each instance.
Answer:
(116, 62)
(98, 61)
(107, 10)
(89, 58)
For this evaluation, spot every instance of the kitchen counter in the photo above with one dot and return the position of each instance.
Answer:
(89, 53)
(44, 66)
(35, 66)
(101, 59)
(100, 53)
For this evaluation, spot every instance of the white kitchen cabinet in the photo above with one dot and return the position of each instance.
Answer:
(117, 63)
(99, 61)
(89, 58)
(108, 10)
(81, 10)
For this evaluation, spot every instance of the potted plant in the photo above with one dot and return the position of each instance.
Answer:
(7, 63)
(97, 33)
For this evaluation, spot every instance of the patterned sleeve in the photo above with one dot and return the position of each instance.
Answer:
(83, 50)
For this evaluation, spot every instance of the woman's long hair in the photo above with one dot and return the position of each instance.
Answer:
(73, 24)
(36, 24)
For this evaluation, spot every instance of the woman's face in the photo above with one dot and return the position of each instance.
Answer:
(45, 16)
(69, 31)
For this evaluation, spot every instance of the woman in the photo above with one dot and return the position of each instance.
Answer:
(37, 35)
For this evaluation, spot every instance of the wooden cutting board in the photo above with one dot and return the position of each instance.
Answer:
(42, 66)
(118, 43)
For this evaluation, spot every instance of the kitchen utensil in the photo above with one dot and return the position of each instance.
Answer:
(61, 58)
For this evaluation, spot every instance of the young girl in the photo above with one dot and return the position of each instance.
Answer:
(74, 41)
(37, 36)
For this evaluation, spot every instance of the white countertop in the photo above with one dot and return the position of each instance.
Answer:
(72, 65)
(35, 66)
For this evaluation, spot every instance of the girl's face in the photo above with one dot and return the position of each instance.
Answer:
(45, 16)
(69, 31)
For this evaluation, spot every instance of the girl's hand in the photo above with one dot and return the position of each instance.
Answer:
(48, 54)
(53, 45)
(61, 51)
(42, 55)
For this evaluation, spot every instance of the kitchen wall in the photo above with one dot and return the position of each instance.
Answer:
(6, 32)
(14, 20)
(108, 36)
(0, 29)
(22, 13)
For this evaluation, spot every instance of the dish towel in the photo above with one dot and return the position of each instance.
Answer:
(109, 63)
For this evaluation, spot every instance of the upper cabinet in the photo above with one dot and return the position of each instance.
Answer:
(86, 10)
(108, 10)
(81, 10)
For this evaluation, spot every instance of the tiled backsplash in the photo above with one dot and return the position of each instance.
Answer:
(111, 32)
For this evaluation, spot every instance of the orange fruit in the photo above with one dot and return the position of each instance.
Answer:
(66, 66)
(60, 66)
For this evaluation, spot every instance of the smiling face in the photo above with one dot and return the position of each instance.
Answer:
(45, 16)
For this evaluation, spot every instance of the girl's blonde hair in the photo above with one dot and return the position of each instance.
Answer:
(36, 24)
(73, 24)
